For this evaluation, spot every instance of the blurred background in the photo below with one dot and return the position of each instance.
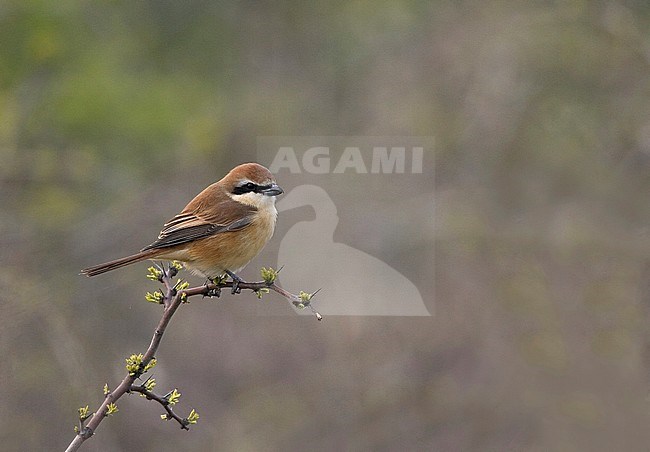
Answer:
(114, 114)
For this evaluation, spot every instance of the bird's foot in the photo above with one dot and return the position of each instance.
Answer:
(235, 282)
(216, 292)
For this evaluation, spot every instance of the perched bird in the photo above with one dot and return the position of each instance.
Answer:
(220, 230)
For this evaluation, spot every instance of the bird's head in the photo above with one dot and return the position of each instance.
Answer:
(251, 184)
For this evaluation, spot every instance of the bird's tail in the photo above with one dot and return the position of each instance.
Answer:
(117, 263)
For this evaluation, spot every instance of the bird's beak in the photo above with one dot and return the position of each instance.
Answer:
(273, 190)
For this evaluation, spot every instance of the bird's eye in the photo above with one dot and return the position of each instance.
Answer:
(245, 188)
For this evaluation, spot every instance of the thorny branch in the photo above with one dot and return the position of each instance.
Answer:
(165, 402)
(173, 295)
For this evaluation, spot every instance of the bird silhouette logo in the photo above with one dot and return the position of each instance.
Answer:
(353, 282)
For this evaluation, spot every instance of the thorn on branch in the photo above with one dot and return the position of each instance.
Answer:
(173, 396)
(167, 401)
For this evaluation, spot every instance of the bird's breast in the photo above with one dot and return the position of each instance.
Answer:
(232, 250)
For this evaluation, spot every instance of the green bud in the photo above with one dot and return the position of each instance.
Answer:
(154, 274)
(261, 292)
(133, 364)
(83, 413)
(173, 397)
(156, 297)
(111, 409)
(192, 417)
(150, 365)
(220, 279)
(149, 384)
(181, 285)
(269, 275)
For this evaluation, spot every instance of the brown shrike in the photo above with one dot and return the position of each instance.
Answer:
(220, 230)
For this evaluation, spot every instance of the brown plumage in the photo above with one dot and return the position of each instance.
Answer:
(221, 229)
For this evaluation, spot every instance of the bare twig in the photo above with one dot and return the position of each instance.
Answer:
(172, 298)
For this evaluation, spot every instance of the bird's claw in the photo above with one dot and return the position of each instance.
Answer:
(216, 292)
(235, 282)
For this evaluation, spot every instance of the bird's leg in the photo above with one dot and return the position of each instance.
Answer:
(235, 282)
(216, 292)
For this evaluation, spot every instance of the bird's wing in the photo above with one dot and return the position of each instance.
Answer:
(189, 226)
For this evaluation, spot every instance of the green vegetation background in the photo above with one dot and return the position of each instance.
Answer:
(112, 114)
